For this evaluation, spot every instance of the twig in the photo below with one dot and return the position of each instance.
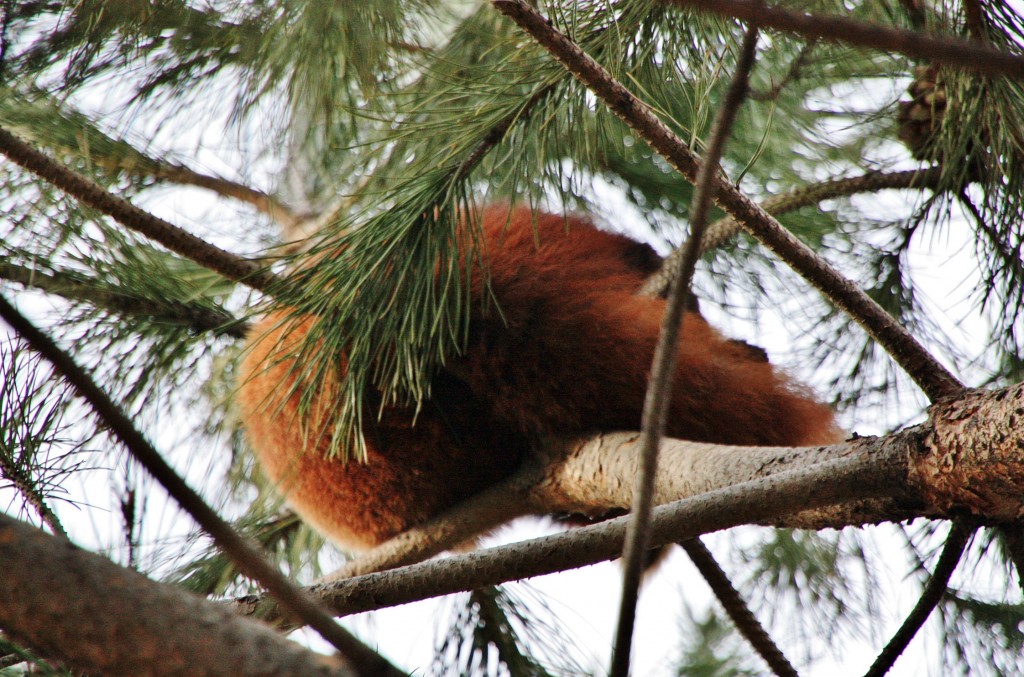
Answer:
(956, 542)
(724, 229)
(17, 477)
(245, 555)
(659, 390)
(737, 609)
(974, 14)
(1013, 537)
(74, 289)
(263, 202)
(861, 476)
(934, 379)
(966, 54)
(174, 238)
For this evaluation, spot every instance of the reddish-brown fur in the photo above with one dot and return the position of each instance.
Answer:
(569, 353)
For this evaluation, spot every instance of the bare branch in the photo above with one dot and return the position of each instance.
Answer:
(926, 471)
(75, 289)
(244, 554)
(84, 610)
(737, 609)
(659, 389)
(859, 476)
(127, 214)
(263, 202)
(721, 231)
(934, 379)
(966, 54)
(956, 542)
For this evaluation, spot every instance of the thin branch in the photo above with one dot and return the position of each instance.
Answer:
(724, 229)
(865, 475)
(73, 288)
(245, 555)
(956, 542)
(966, 54)
(934, 379)
(659, 389)
(1013, 537)
(174, 238)
(19, 479)
(974, 14)
(263, 202)
(737, 609)
(792, 74)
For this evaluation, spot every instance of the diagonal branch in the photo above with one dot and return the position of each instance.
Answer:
(721, 231)
(659, 388)
(263, 202)
(73, 288)
(744, 620)
(245, 555)
(967, 54)
(80, 608)
(956, 542)
(174, 238)
(933, 378)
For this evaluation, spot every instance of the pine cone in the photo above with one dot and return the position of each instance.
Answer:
(920, 118)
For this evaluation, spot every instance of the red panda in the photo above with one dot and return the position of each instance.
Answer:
(564, 347)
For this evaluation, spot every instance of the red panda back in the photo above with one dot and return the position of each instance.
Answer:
(566, 351)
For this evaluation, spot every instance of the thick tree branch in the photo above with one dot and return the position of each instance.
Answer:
(931, 470)
(87, 612)
(659, 389)
(966, 54)
(243, 553)
(858, 476)
(724, 229)
(75, 289)
(174, 238)
(934, 379)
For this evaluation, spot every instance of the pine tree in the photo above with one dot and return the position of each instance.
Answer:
(253, 136)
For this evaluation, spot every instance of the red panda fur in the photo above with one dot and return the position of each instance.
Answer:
(568, 353)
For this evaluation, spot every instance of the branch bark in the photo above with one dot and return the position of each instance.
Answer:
(75, 289)
(87, 612)
(174, 238)
(724, 229)
(966, 458)
(970, 55)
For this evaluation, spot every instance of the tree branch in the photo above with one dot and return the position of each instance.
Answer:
(956, 542)
(744, 620)
(174, 238)
(934, 379)
(82, 609)
(966, 54)
(859, 476)
(659, 388)
(724, 229)
(263, 202)
(73, 288)
(929, 470)
(245, 555)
